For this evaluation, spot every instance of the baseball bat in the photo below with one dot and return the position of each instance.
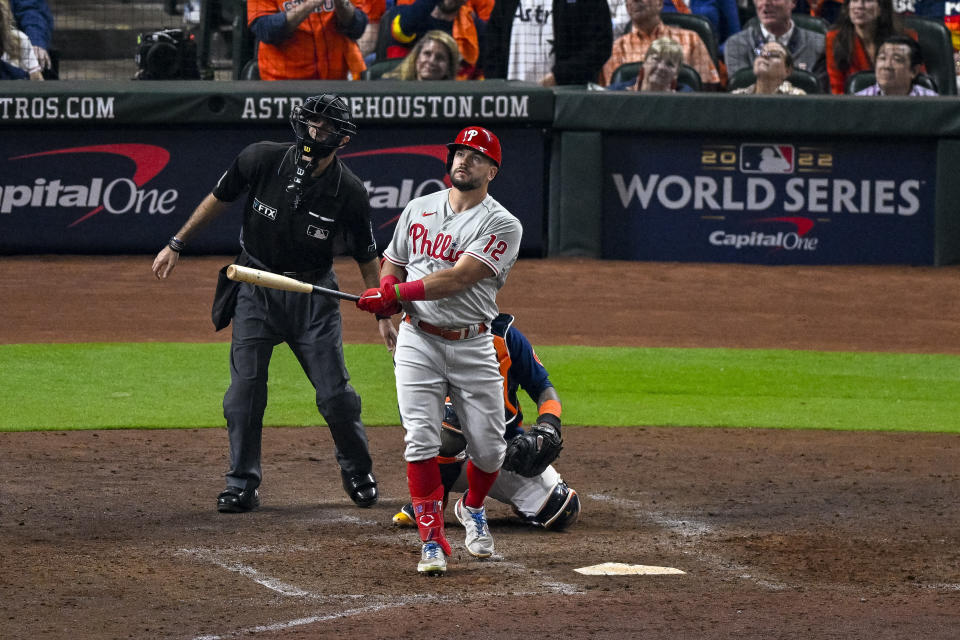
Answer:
(277, 281)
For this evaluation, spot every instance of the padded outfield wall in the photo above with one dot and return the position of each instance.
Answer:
(756, 179)
(116, 167)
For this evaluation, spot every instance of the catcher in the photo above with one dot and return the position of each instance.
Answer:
(527, 480)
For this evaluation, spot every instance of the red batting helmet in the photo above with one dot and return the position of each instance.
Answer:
(478, 139)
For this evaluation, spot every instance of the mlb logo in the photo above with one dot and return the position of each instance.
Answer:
(766, 158)
(317, 232)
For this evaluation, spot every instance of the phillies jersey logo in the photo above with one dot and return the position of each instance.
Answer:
(442, 247)
(470, 134)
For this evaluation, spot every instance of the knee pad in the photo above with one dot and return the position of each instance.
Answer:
(344, 407)
(452, 442)
(561, 510)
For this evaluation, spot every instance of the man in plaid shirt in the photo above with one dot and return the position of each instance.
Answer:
(647, 27)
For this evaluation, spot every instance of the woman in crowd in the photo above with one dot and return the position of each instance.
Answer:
(772, 66)
(851, 44)
(434, 57)
(18, 60)
(661, 65)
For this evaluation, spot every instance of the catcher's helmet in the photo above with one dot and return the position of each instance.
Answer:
(476, 138)
(327, 107)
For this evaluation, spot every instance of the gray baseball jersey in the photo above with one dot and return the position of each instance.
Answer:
(430, 237)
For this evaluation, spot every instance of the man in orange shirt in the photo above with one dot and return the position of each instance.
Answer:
(647, 27)
(307, 39)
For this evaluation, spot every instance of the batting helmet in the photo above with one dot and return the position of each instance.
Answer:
(327, 107)
(476, 138)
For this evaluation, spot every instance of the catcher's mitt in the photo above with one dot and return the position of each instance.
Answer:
(530, 453)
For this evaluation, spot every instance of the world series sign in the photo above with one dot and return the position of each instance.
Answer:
(768, 202)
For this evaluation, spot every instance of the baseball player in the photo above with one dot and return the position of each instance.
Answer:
(527, 481)
(451, 252)
(300, 198)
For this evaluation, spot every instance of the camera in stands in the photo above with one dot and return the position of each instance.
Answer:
(168, 54)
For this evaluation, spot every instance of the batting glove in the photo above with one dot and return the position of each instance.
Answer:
(382, 301)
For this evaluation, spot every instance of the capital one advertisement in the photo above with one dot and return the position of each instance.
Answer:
(128, 191)
(768, 201)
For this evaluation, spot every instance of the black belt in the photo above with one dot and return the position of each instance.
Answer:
(448, 334)
(297, 275)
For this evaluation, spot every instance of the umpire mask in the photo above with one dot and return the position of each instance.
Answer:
(321, 124)
(305, 118)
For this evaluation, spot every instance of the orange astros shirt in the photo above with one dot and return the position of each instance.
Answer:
(315, 51)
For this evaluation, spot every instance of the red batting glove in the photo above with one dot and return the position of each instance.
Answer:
(382, 301)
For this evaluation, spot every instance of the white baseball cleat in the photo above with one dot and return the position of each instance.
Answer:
(479, 542)
(433, 561)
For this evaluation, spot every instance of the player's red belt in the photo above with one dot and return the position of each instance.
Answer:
(448, 334)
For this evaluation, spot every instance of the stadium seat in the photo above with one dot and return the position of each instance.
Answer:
(800, 78)
(811, 23)
(937, 50)
(250, 71)
(863, 79)
(377, 69)
(686, 75)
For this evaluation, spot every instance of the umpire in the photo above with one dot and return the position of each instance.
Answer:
(300, 199)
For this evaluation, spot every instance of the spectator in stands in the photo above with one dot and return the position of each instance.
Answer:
(307, 41)
(33, 17)
(434, 57)
(374, 10)
(722, 14)
(774, 24)
(772, 66)
(18, 60)
(549, 42)
(851, 45)
(456, 17)
(647, 27)
(660, 70)
(899, 62)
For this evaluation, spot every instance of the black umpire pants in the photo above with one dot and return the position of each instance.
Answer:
(311, 325)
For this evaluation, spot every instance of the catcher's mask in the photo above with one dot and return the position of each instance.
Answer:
(315, 110)
(476, 138)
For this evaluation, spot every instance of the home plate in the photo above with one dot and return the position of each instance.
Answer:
(619, 569)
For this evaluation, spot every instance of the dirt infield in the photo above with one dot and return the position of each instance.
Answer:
(114, 534)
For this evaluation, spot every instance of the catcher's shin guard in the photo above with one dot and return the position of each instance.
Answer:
(561, 510)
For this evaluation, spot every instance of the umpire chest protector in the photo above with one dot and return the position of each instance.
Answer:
(288, 238)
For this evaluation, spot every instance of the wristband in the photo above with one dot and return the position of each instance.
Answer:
(176, 244)
(389, 281)
(410, 290)
(552, 407)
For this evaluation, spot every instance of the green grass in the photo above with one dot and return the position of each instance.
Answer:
(159, 385)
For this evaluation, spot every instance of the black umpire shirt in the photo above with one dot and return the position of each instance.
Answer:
(297, 240)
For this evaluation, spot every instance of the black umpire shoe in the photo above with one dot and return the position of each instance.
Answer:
(361, 489)
(237, 500)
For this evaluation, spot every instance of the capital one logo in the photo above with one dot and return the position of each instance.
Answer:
(117, 196)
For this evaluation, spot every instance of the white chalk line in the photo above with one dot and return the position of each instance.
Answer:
(382, 603)
(298, 622)
(693, 531)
